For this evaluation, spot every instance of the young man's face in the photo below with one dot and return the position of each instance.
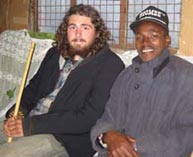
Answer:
(150, 40)
(81, 34)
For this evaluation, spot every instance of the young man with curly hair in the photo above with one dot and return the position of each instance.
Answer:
(68, 93)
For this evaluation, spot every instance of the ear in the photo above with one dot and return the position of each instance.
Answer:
(168, 40)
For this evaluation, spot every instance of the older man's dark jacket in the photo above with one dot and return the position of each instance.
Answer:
(78, 105)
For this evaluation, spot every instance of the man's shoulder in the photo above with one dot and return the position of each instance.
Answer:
(107, 55)
(104, 57)
(52, 56)
(53, 51)
(180, 65)
(180, 62)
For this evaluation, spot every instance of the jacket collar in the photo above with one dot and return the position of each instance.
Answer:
(156, 65)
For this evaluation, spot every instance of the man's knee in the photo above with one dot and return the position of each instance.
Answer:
(37, 145)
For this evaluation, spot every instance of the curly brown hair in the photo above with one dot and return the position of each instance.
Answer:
(61, 40)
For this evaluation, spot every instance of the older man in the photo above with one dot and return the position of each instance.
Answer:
(150, 110)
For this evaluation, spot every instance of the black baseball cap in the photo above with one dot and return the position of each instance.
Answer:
(152, 14)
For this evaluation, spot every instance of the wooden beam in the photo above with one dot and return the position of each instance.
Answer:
(186, 34)
(35, 15)
(123, 23)
(72, 3)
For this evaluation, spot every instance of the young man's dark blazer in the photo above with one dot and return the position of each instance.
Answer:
(78, 105)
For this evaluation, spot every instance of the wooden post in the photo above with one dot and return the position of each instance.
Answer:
(186, 34)
(123, 23)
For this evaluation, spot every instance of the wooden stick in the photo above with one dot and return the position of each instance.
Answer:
(24, 78)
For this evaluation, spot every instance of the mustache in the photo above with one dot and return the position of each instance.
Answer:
(78, 39)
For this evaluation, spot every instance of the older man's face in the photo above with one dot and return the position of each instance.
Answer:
(150, 40)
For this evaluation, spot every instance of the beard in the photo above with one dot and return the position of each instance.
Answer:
(80, 50)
